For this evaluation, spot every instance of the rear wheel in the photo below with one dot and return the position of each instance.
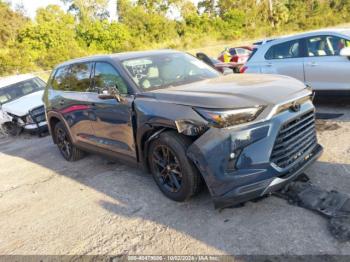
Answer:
(65, 145)
(174, 173)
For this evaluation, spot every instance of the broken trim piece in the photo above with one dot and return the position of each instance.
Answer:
(332, 204)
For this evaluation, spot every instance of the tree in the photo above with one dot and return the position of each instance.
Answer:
(208, 7)
(11, 22)
(47, 39)
(87, 10)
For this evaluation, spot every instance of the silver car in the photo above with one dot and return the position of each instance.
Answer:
(319, 59)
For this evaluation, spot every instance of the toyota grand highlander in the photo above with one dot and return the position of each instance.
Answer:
(21, 105)
(243, 136)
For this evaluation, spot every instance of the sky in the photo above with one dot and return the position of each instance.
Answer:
(31, 6)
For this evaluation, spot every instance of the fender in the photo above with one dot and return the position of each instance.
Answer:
(53, 114)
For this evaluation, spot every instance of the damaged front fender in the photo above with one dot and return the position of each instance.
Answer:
(4, 117)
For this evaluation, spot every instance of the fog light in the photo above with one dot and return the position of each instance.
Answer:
(231, 165)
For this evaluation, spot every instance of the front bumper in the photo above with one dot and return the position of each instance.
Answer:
(250, 173)
(36, 128)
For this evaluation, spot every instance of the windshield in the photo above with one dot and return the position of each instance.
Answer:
(164, 70)
(15, 91)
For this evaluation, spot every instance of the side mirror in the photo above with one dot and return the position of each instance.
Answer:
(345, 52)
(110, 93)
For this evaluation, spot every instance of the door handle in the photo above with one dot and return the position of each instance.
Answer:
(269, 64)
(313, 64)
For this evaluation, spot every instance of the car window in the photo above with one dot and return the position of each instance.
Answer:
(169, 69)
(107, 76)
(15, 91)
(285, 50)
(60, 80)
(232, 51)
(242, 51)
(326, 45)
(79, 77)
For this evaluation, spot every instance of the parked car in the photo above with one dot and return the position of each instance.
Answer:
(244, 136)
(238, 54)
(224, 68)
(21, 105)
(320, 59)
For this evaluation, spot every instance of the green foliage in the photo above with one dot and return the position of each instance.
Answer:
(10, 23)
(56, 35)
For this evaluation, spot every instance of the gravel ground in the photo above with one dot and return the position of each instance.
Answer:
(94, 206)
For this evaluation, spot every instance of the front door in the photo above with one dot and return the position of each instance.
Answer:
(325, 69)
(113, 119)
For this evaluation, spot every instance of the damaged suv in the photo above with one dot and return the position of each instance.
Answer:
(21, 105)
(244, 136)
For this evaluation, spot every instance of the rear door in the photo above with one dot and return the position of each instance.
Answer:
(113, 119)
(71, 98)
(285, 59)
(325, 69)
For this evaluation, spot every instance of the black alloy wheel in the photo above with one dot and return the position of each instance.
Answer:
(63, 142)
(167, 167)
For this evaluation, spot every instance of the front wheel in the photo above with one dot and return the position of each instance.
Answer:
(65, 145)
(174, 173)
(12, 129)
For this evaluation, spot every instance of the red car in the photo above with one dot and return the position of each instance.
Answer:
(224, 68)
(238, 54)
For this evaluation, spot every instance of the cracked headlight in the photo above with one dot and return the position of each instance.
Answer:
(29, 120)
(231, 117)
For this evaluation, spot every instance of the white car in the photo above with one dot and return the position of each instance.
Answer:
(320, 59)
(21, 105)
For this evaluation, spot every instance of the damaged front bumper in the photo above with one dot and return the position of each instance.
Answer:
(243, 163)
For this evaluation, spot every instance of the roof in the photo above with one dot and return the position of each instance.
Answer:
(120, 56)
(9, 80)
(345, 31)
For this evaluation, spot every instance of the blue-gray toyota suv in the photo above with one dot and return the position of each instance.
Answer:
(244, 136)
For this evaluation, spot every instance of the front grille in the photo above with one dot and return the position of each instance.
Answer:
(38, 114)
(294, 139)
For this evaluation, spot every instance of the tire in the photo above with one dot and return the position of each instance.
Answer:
(67, 149)
(167, 168)
(12, 129)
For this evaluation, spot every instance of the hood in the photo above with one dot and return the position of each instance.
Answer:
(233, 91)
(22, 105)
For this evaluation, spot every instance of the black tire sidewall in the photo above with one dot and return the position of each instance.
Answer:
(179, 150)
(61, 126)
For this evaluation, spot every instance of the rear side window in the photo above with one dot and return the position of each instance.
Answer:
(285, 50)
(79, 77)
(60, 80)
(75, 78)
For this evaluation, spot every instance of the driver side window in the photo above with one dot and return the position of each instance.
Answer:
(107, 76)
(326, 45)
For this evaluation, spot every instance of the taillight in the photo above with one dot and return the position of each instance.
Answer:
(243, 69)
(235, 58)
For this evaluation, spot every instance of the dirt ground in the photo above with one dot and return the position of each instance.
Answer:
(95, 206)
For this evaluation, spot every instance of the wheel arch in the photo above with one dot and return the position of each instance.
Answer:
(52, 119)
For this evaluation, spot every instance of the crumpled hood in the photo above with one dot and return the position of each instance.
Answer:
(22, 105)
(233, 91)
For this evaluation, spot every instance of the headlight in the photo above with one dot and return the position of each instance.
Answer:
(225, 118)
(29, 119)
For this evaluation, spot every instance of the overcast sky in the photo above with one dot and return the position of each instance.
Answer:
(32, 5)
